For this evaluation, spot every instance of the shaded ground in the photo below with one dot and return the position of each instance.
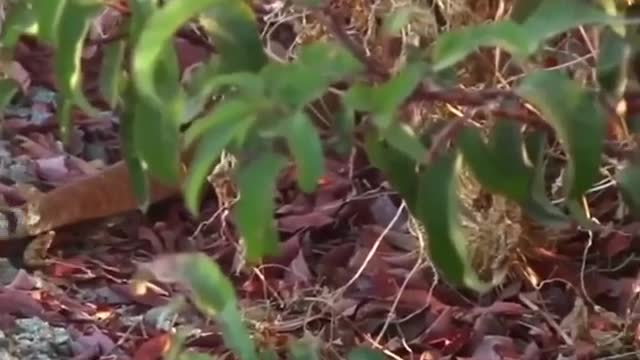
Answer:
(350, 272)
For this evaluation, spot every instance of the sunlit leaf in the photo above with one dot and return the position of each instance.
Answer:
(253, 213)
(578, 119)
(48, 14)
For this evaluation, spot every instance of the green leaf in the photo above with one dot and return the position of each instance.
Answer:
(317, 67)
(234, 108)
(553, 17)
(522, 9)
(613, 62)
(304, 144)
(8, 89)
(304, 349)
(111, 75)
(253, 213)
(394, 22)
(383, 100)
(544, 20)
(404, 139)
(452, 47)
(157, 141)
(156, 39)
(398, 168)
(223, 126)
(20, 19)
(71, 30)
(438, 209)
(628, 179)
(233, 28)
(137, 177)
(500, 166)
(48, 14)
(213, 294)
(192, 355)
(362, 353)
(577, 117)
(538, 206)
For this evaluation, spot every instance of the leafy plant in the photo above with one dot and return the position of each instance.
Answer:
(262, 103)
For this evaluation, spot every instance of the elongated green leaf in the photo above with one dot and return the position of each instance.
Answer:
(71, 30)
(141, 11)
(613, 62)
(438, 209)
(628, 179)
(253, 213)
(543, 20)
(234, 108)
(20, 19)
(397, 167)
(404, 139)
(213, 294)
(155, 39)
(363, 353)
(233, 18)
(538, 206)
(48, 14)
(317, 67)
(578, 119)
(522, 9)
(306, 148)
(305, 350)
(157, 141)
(232, 26)
(223, 127)
(383, 100)
(192, 355)
(452, 47)
(137, 177)
(111, 72)
(499, 165)
(553, 17)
